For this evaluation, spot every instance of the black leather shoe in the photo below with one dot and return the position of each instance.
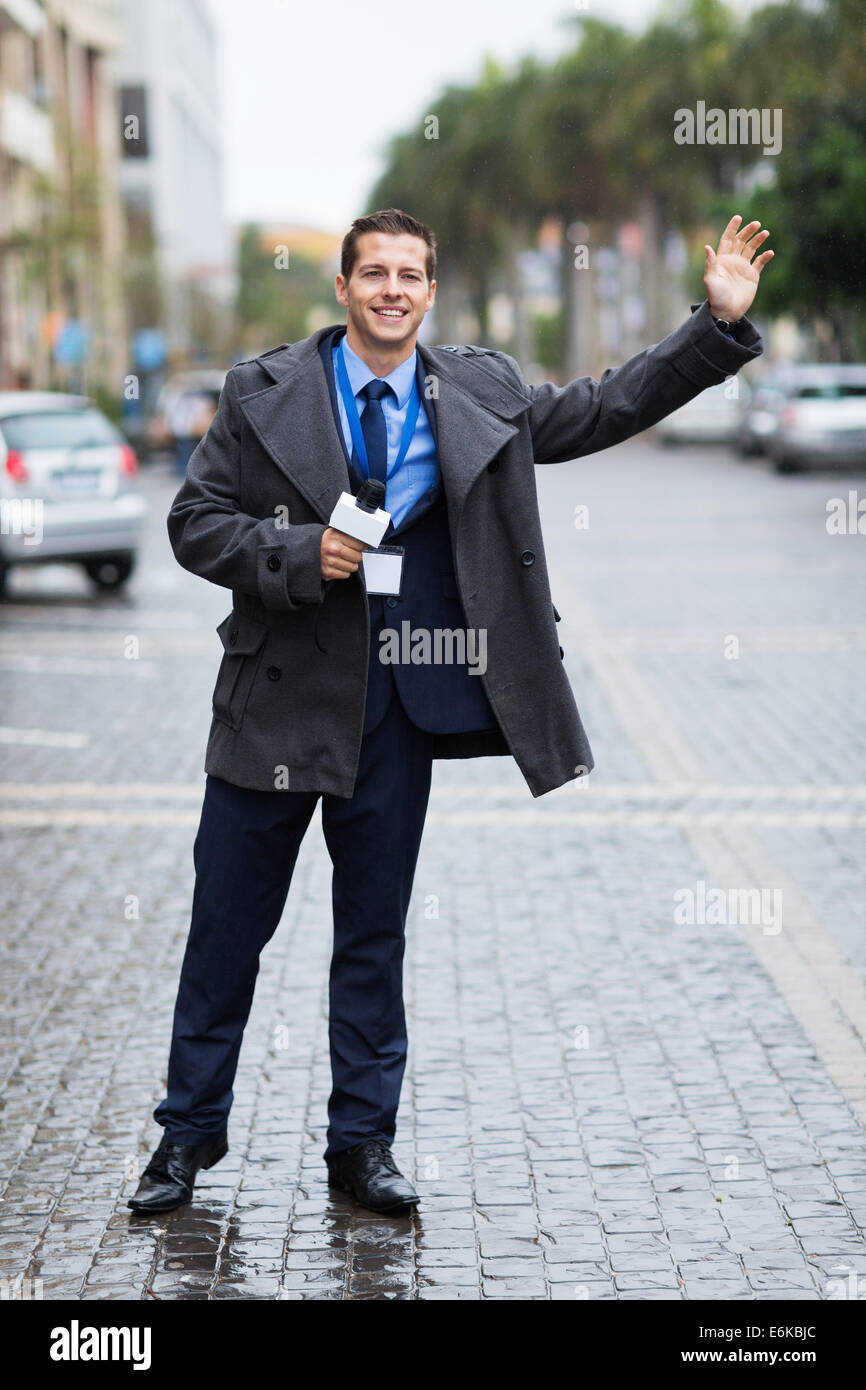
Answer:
(369, 1173)
(168, 1179)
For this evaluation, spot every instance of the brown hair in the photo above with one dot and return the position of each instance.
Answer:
(394, 222)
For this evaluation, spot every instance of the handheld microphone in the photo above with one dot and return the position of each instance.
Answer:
(361, 516)
(370, 495)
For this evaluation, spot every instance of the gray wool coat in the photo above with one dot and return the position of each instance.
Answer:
(259, 490)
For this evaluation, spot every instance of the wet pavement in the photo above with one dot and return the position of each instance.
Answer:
(636, 1006)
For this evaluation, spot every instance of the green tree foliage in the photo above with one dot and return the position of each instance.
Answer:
(589, 138)
(274, 300)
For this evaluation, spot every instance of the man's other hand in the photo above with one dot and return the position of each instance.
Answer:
(730, 274)
(341, 554)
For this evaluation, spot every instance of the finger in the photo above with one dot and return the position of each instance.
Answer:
(728, 239)
(338, 544)
(763, 260)
(337, 559)
(346, 553)
(746, 232)
(351, 541)
(754, 242)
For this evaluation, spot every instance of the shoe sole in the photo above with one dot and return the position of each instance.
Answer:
(146, 1207)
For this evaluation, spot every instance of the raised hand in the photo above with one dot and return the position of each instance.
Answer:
(730, 274)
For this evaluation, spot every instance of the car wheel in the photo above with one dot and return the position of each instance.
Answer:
(783, 464)
(109, 572)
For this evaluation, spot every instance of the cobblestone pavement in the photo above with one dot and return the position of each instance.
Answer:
(636, 1006)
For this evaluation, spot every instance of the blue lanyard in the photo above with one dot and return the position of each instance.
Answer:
(355, 420)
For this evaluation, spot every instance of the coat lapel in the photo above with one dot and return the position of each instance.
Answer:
(293, 419)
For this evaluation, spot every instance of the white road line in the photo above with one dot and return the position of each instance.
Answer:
(586, 790)
(636, 820)
(97, 616)
(77, 666)
(44, 738)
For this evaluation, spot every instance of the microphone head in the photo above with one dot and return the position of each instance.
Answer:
(370, 495)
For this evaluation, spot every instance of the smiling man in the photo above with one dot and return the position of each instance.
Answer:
(303, 705)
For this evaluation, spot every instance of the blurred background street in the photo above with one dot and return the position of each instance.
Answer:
(637, 1005)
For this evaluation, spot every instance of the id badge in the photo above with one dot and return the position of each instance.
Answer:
(383, 569)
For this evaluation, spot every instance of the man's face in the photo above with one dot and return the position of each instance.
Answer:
(389, 274)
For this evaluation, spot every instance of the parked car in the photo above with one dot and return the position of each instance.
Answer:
(759, 412)
(68, 487)
(822, 420)
(713, 417)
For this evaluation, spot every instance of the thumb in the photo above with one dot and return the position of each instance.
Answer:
(711, 256)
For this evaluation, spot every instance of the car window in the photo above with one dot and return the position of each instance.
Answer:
(832, 391)
(59, 429)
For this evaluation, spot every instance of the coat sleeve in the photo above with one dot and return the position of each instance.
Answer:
(212, 537)
(567, 422)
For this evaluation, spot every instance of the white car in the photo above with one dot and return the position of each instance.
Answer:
(712, 417)
(822, 420)
(68, 487)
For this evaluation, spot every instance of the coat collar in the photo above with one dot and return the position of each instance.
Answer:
(294, 421)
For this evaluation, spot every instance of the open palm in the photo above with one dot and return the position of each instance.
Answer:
(730, 274)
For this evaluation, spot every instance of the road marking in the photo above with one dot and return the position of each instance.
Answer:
(39, 616)
(637, 820)
(45, 738)
(751, 640)
(585, 788)
(76, 666)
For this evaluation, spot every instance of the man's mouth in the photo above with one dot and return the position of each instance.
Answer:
(388, 312)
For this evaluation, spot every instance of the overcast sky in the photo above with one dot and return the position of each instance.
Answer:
(311, 92)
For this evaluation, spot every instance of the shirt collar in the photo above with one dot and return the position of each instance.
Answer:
(400, 380)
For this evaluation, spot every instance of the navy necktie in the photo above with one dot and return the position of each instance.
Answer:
(374, 429)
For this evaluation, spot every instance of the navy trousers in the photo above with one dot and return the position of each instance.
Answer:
(244, 855)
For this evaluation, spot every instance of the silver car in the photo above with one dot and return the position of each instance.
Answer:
(760, 412)
(712, 417)
(68, 487)
(822, 420)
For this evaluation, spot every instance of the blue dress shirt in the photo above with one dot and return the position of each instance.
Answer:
(417, 473)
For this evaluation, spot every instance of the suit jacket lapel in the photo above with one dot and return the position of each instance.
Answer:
(296, 420)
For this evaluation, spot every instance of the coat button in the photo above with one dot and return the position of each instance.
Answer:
(527, 557)
(561, 653)
(391, 601)
(274, 673)
(273, 562)
(493, 467)
(233, 637)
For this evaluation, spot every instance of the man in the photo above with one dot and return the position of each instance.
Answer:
(304, 705)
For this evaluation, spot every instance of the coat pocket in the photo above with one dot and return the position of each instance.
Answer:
(244, 642)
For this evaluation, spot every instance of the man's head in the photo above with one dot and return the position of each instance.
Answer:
(388, 262)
